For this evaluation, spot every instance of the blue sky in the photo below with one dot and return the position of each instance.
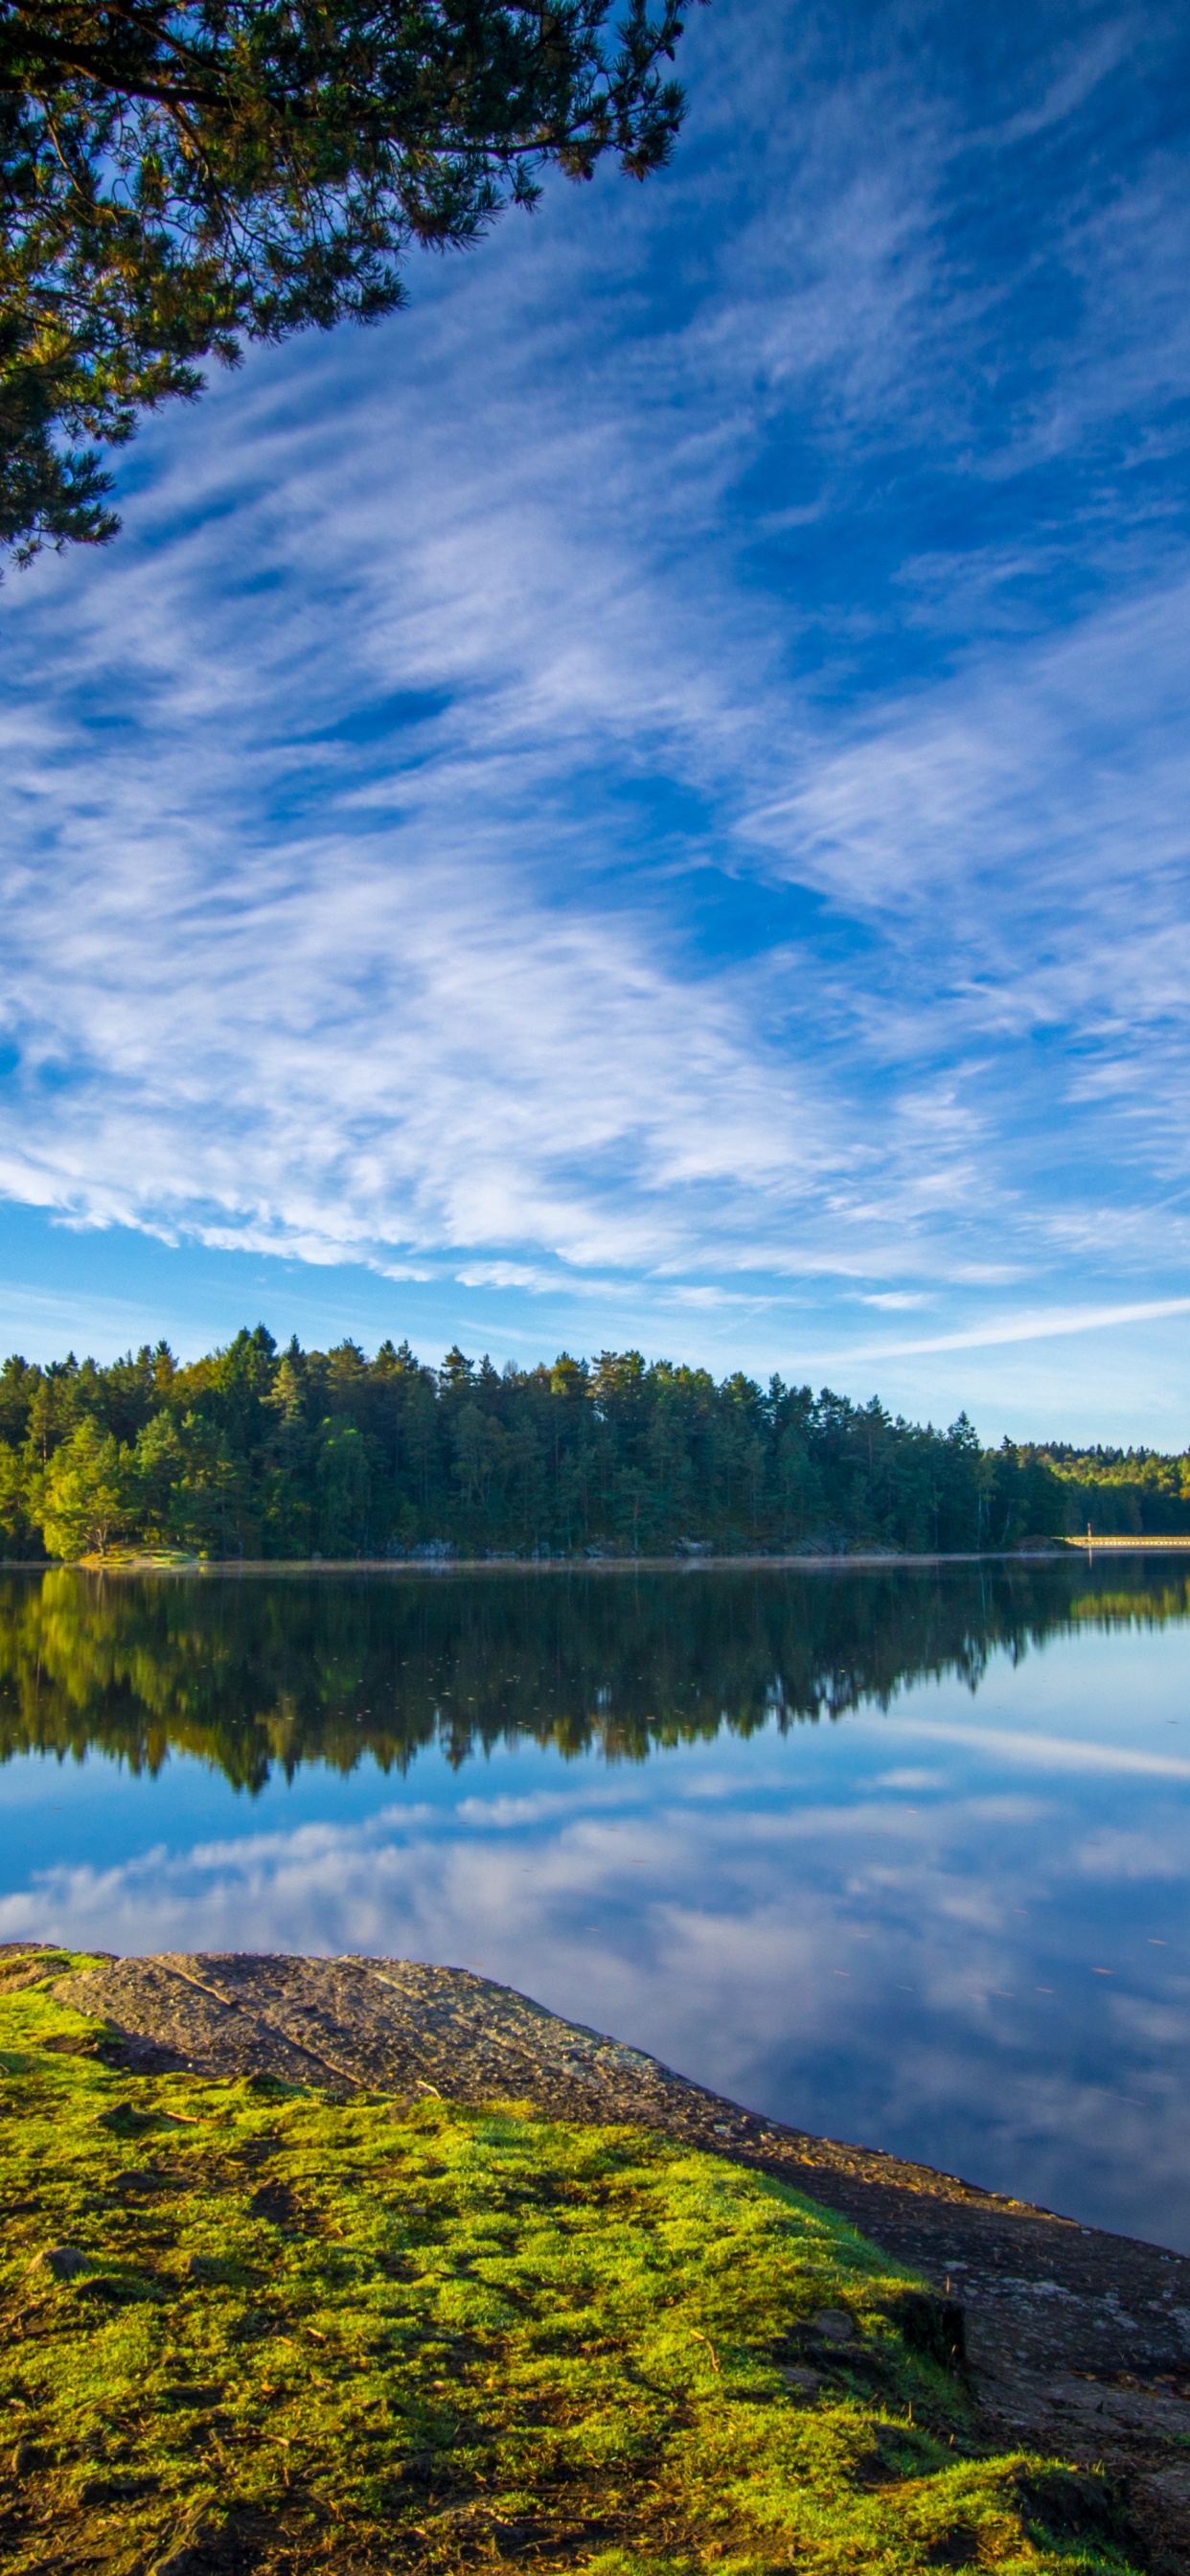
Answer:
(647, 799)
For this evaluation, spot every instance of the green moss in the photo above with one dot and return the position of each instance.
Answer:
(371, 2336)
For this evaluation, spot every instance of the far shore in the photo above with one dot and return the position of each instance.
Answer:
(869, 1560)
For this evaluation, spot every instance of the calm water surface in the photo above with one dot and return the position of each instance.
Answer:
(899, 1856)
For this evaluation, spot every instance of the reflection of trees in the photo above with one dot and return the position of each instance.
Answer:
(252, 1673)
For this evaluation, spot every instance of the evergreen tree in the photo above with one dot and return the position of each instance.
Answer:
(180, 176)
(87, 1495)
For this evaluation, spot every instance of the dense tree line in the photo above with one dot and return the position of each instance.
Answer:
(1145, 1490)
(252, 1452)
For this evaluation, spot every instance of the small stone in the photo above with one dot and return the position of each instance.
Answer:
(805, 2380)
(24, 2458)
(63, 2262)
(834, 2325)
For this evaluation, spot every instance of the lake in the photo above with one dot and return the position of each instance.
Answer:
(898, 1855)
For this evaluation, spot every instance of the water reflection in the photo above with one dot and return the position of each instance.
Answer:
(953, 1922)
(254, 1673)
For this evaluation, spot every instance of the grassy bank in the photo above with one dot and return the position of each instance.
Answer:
(254, 2326)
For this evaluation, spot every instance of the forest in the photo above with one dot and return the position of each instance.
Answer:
(257, 1453)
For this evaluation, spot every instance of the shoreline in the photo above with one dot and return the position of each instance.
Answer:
(867, 1561)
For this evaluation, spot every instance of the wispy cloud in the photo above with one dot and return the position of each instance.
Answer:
(1019, 1328)
(667, 767)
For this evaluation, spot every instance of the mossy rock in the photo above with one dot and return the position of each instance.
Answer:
(370, 2335)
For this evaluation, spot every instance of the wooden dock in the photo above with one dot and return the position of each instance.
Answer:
(1090, 1544)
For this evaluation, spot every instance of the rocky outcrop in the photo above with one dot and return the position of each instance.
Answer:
(1076, 2341)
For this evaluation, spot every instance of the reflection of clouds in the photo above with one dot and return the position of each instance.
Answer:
(504, 1812)
(709, 1786)
(956, 1900)
(846, 1964)
(1141, 2020)
(1046, 1752)
(1156, 1851)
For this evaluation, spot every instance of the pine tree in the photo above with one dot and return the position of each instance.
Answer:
(179, 176)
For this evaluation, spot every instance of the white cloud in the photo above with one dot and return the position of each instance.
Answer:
(364, 803)
(1029, 1327)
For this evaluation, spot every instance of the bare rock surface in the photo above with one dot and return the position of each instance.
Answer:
(1077, 2341)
